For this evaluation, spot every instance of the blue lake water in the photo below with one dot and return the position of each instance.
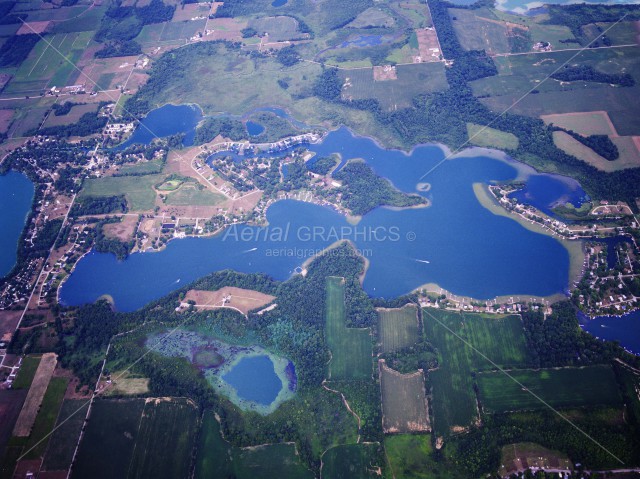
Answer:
(16, 196)
(469, 250)
(166, 121)
(523, 6)
(545, 192)
(254, 379)
(254, 129)
(278, 3)
(624, 329)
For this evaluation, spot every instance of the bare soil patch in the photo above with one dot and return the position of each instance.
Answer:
(428, 45)
(122, 231)
(384, 73)
(242, 300)
(32, 27)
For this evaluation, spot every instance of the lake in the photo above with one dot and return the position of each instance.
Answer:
(16, 196)
(455, 243)
(545, 192)
(166, 121)
(524, 6)
(254, 379)
(254, 129)
(624, 329)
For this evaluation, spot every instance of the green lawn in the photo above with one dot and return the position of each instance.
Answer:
(558, 388)
(351, 351)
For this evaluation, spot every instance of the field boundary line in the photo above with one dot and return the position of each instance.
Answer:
(510, 107)
(506, 373)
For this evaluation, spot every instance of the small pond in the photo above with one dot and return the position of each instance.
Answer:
(254, 129)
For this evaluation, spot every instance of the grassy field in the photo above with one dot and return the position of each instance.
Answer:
(500, 339)
(26, 372)
(491, 138)
(144, 168)
(193, 194)
(72, 117)
(410, 456)
(138, 190)
(46, 418)
(587, 123)
(353, 461)
(559, 388)
(217, 458)
(475, 32)
(351, 351)
(397, 328)
(63, 441)
(404, 404)
(279, 28)
(138, 438)
(392, 94)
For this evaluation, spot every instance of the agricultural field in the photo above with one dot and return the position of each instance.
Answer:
(520, 456)
(404, 404)
(64, 439)
(622, 33)
(35, 396)
(126, 383)
(397, 328)
(353, 461)
(122, 230)
(559, 388)
(277, 29)
(411, 456)
(26, 372)
(351, 349)
(143, 168)
(584, 123)
(138, 438)
(138, 190)
(491, 138)
(521, 74)
(217, 458)
(476, 30)
(454, 334)
(45, 67)
(243, 300)
(72, 117)
(411, 81)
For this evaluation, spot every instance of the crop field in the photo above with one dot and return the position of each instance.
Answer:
(524, 455)
(412, 80)
(143, 168)
(193, 194)
(585, 123)
(138, 190)
(122, 230)
(500, 339)
(26, 372)
(560, 388)
(46, 418)
(125, 383)
(522, 73)
(491, 138)
(410, 456)
(240, 299)
(138, 438)
(181, 30)
(45, 67)
(353, 461)
(279, 28)
(629, 155)
(351, 350)
(35, 396)
(187, 11)
(622, 33)
(72, 117)
(217, 458)
(475, 32)
(398, 327)
(373, 18)
(404, 404)
(88, 21)
(63, 441)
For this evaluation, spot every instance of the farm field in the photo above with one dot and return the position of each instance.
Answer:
(410, 456)
(46, 418)
(138, 190)
(143, 168)
(193, 194)
(397, 328)
(45, 68)
(62, 442)
(627, 149)
(243, 300)
(411, 80)
(279, 29)
(500, 339)
(404, 404)
(560, 388)
(72, 117)
(138, 438)
(26, 372)
(477, 30)
(491, 138)
(585, 123)
(35, 396)
(353, 461)
(351, 350)
(217, 458)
